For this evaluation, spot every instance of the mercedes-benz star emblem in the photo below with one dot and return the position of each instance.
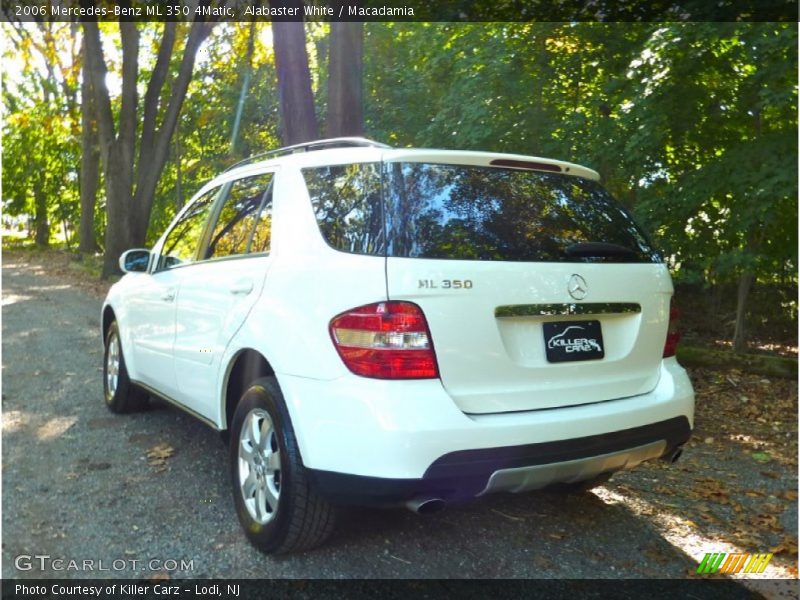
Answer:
(577, 287)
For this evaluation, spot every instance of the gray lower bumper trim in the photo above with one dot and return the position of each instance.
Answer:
(531, 478)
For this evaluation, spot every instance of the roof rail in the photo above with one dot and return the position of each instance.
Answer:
(341, 142)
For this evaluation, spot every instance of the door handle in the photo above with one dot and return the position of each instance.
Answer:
(168, 295)
(243, 286)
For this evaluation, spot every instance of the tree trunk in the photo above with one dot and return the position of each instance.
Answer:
(296, 103)
(128, 206)
(153, 158)
(118, 236)
(542, 68)
(715, 305)
(178, 171)
(40, 218)
(90, 167)
(345, 95)
(740, 334)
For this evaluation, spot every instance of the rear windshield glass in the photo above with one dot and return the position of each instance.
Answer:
(463, 212)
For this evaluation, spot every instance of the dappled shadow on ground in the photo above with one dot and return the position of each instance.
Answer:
(735, 489)
(60, 267)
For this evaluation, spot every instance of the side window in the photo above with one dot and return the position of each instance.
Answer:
(180, 245)
(245, 215)
(262, 235)
(347, 205)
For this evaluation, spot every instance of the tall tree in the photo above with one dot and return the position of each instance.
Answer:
(90, 165)
(715, 130)
(297, 116)
(131, 181)
(345, 72)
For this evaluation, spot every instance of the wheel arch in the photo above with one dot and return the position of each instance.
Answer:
(246, 366)
(108, 317)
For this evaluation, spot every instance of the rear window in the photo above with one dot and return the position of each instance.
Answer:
(461, 212)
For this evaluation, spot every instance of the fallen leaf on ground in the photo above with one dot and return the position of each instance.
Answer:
(157, 455)
(787, 545)
(763, 520)
(773, 508)
(507, 516)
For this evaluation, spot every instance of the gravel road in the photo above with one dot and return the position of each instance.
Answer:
(77, 484)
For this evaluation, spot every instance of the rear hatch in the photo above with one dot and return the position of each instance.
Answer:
(539, 289)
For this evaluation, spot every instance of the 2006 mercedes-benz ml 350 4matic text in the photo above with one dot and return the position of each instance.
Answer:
(383, 326)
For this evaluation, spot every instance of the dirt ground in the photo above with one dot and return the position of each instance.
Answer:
(79, 482)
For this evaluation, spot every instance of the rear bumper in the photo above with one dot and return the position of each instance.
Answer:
(470, 473)
(389, 435)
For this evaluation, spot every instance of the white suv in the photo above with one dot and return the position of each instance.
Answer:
(412, 327)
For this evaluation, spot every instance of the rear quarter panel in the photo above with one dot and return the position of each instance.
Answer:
(308, 284)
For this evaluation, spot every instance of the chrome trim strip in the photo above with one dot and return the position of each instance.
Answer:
(176, 404)
(523, 479)
(552, 310)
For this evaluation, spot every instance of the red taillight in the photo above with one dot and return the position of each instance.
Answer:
(673, 335)
(386, 340)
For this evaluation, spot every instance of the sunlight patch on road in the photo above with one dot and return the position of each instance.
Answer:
(14, 420)
(55, 427)
(686, 535)
(50, 288)
(9, 299)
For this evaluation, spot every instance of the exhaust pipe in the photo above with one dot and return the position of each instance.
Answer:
(426, 506)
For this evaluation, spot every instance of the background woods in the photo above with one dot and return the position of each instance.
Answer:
(109, 129)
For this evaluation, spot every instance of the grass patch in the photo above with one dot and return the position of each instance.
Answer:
(774, 366)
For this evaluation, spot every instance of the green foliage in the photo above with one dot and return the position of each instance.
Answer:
(41, 147)
(693, 126)
(204, 130)
(717, 115)
(771, 366)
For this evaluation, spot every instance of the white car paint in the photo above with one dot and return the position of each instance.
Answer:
(181, 330)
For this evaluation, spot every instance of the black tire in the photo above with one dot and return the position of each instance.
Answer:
(125, 397)
(300, 519)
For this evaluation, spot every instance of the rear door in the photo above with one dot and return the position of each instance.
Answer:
(217, 293)
(539, 290)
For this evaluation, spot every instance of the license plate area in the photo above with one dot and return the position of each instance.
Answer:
(566, 341)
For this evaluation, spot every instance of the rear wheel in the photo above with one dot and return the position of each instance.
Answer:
(121, 395)
(277, 506)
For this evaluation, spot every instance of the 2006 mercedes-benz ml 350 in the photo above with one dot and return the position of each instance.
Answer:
(384, 326)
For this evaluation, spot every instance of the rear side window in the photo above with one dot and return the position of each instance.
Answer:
(347, 203)
(484, 213)
(245, 217)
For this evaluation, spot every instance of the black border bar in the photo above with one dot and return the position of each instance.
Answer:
(404, 589)
(403, 10)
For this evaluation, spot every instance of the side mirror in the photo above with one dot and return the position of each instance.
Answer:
(134, 261)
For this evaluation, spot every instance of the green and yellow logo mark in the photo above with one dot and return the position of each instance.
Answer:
(721, 562)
